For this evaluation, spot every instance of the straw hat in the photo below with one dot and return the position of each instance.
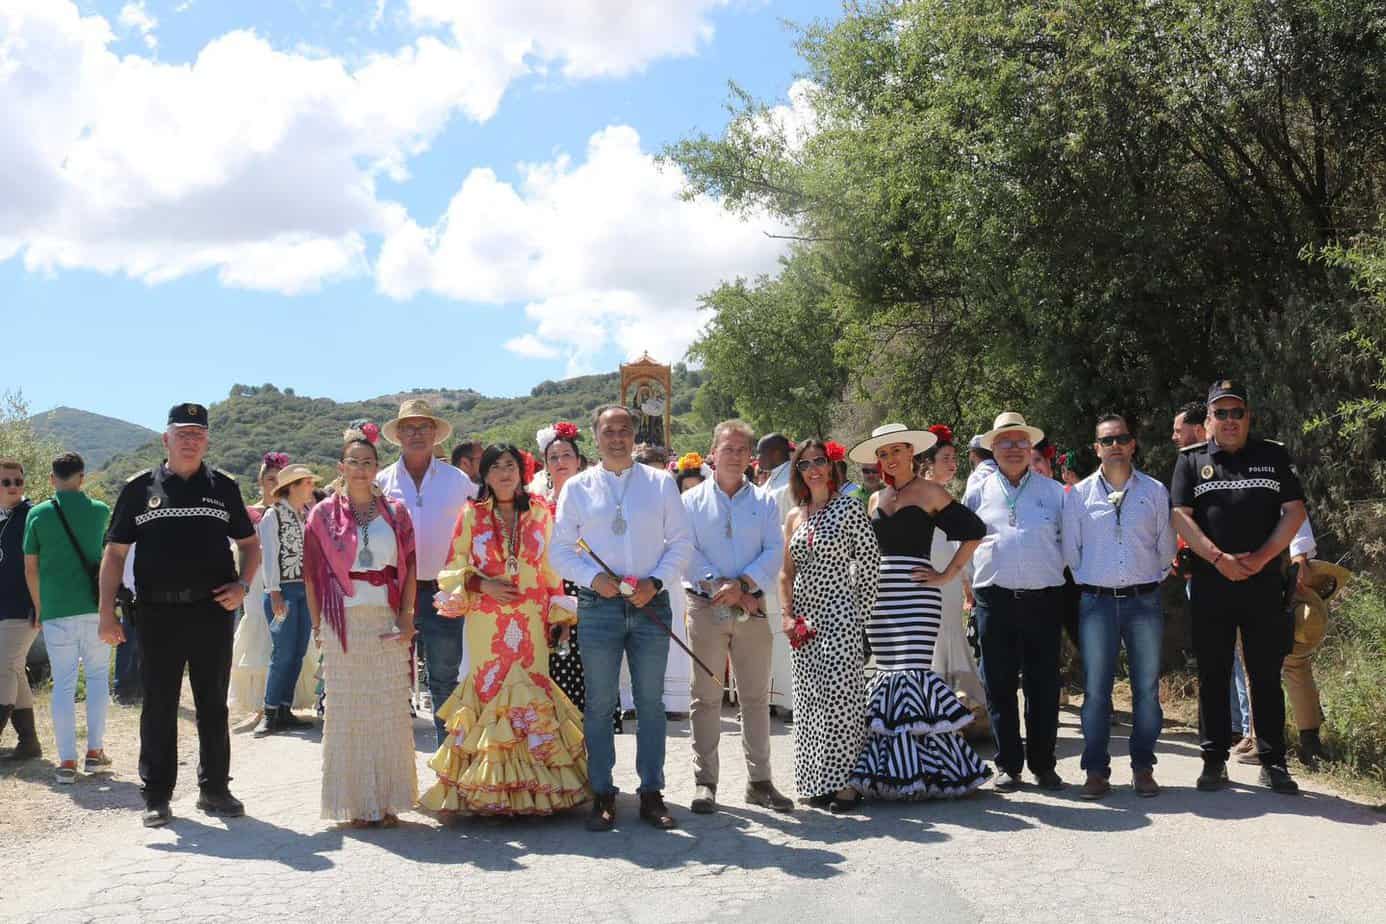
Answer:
(886, 434)
(1326, 578)
(416, 408)
(1311, 621)
(291, 473)
(1006, 422)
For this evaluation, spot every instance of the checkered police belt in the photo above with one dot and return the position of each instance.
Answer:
(143, 518)
(1242, 484)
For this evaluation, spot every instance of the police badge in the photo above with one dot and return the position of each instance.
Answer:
(155, 501)
(1207, 472)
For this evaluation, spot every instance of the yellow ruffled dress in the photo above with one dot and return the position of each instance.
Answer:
(514, 744)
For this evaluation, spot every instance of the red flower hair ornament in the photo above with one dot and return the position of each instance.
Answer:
(943, 432)
(275, 459)
(367, 429)
(835, 451)
(565, 430)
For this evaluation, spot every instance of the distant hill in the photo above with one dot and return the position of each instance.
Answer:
(95, 437)
(256, 419)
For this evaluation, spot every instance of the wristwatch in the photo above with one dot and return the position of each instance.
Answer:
(658, 584)
(745, 585)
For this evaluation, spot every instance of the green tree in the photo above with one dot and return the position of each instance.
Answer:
(18, 441)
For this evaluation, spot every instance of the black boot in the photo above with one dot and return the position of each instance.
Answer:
(29, 747)
(268, 724)
(1311, 748)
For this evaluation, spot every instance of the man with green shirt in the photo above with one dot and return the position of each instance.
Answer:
(62, 547)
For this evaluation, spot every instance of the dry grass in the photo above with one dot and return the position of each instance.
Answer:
(32, 803)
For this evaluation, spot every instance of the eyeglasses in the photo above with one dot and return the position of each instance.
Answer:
(1235, 413)
(1121, 439)
(11, 482)
(1011, 444)
(416, 429)
(804, 465)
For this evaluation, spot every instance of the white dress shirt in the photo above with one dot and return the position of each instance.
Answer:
(1029, 555)
(984, 470)
(656, 542)
(1304, 543)
(1100, 554)
(756, 545)
(434, 507)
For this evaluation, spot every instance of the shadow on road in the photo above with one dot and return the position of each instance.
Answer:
(253, 839)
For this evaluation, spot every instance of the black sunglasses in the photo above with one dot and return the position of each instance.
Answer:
(1235, 413)
(804, 465)
(1121, 439)
(7, 482)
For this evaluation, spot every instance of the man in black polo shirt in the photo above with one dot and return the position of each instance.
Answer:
(182, 513)
(1237, 503)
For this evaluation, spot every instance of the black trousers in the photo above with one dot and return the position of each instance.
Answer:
(196, 637)
(1220, 607)
(1020, 648)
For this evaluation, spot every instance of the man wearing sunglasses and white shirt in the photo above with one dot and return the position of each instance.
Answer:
(1018, 582)
(1119, 543)
(1238, 503)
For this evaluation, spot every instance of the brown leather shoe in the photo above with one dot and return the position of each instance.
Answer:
(764, 794)
(1143, 782)
(653, 811)
(1095, 788)
(603, 817)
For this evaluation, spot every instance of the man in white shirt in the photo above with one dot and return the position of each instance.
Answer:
(434, 492)
(631, 517)
(738, 548)
(1119, 544)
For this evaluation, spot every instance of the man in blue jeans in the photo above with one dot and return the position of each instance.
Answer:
(434, 492)
(631, 516)
(1119, 543)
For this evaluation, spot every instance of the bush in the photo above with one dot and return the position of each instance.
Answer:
(1351, 672)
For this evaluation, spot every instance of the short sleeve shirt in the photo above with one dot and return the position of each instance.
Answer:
(1236, 496)
(183, 527)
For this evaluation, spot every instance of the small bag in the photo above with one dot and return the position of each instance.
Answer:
(93, 572)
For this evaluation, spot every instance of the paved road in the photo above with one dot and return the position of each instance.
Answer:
(1243, 854)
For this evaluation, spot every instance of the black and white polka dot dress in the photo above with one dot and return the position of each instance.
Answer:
(835, 559)
(912, 748)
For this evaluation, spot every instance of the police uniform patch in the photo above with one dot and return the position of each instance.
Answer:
(1206, 472)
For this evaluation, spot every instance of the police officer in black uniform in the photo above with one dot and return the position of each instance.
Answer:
(1237, 503)
(182, 513)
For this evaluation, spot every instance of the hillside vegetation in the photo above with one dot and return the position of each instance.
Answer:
(256, 419)
(95, 436)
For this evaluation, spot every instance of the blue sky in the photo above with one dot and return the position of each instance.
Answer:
(358, 198)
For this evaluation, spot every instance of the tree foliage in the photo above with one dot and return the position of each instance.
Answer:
(1071, 206)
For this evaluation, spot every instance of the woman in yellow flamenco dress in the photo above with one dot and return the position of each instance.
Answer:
(514, 744)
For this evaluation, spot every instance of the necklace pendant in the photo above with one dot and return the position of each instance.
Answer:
(512, 566)
(365, 559)
(1012, 518)
(618, 525)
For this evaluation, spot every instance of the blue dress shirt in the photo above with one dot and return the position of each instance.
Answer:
(1099, 554)
(1028, 555)
(756, 546)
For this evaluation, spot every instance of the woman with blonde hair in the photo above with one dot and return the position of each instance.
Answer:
(359, 575)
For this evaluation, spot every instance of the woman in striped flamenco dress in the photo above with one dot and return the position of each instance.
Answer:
(913, 749)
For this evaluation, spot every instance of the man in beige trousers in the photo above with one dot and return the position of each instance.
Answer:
(738, 548)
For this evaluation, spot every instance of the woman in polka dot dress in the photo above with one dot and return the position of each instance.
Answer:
(828, 581)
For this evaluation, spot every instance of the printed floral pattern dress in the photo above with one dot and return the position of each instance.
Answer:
(515, 744)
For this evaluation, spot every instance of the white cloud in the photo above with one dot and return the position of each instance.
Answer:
(589, 38)
(123, 164)
(531, 347)
(134, 17)
(601, 252)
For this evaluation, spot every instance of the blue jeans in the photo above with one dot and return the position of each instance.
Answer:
(126, 682)
(69, 640)
(611, 628)
(1105, 623)
(289, 642)
(440, 643)
(1241, 700)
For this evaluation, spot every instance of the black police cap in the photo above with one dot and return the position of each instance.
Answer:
(187, 415)
(1227, 388)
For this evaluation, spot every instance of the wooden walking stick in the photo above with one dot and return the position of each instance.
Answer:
(582, 544)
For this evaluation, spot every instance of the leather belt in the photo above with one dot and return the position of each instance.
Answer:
(1133, 590)
(378, 578)
(183, 596)
(1021, 594)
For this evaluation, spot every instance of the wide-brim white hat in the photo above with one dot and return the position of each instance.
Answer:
(886, 434)
(1006, 422)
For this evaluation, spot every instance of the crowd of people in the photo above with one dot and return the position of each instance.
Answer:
(886, 616)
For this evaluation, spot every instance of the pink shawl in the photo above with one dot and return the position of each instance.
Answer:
(330, 550)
